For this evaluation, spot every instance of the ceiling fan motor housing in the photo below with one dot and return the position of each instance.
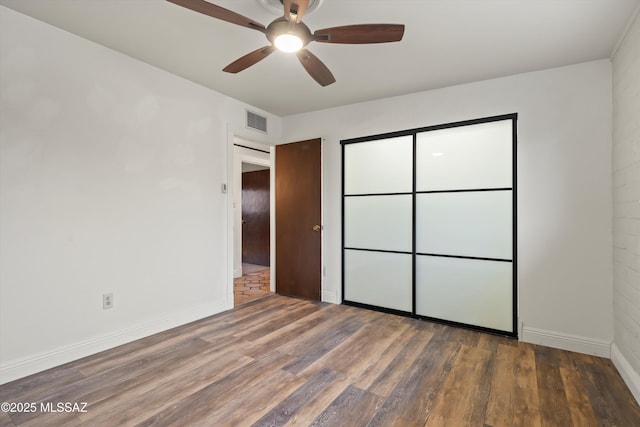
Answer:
(283, 26)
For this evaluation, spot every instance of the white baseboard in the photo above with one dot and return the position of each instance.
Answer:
(628, 374)
(30, 365)
(568, 342)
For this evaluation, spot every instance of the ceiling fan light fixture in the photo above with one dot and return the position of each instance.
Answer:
(289, 34)
(288, 42)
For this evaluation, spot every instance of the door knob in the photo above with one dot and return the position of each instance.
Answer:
(316, 227)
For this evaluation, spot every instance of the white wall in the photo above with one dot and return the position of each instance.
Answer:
(111, 174)
(564, 187)
(626, 207)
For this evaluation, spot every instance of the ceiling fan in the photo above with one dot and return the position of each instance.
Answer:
(290, 34)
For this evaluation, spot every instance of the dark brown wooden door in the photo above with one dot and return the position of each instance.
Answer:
(255, 217)
(298, 228)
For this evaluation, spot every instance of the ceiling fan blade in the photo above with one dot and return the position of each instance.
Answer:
(361, 34)
(249, 59)
(315, 67)
(294, 9)
(218, 12)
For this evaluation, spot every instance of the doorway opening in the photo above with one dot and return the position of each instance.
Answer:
(255, 234)
(253, 217)
(295, 188)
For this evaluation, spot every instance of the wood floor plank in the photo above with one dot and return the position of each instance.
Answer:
(554, 407)
(5, 420)
(251, 310)
(285, 361)
(101, 366)
(309, 413)
(413, 397)
(244, 409)
(354, 407)
(500, 407)
(44, 383)
(466, 390)
(328, 314)
(289, 407)
(133, 371)
(579, 405)
(609, 397)
(200, 404)
(298, 330)
(115, 357)
(491, 342)
(403, 422)
(278, 321)
(353, 355)
(465, 337)
(381, 364)
(237, 326)
(526, 397)
(178, 381)
(552, 356)
(309, 337)
(388, 379)
(318, 348)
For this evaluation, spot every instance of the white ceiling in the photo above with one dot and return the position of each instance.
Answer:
(446, 42)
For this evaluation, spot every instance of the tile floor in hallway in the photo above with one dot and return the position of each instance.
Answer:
(253, 284)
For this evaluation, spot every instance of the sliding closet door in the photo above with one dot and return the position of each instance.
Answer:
(377, 226)
(464, 225)
(429, 221)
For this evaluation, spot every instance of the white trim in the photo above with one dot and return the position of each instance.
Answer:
(241, 155)
(231, 273)
(568, 342)
(30, 365)
(237, 139)
(272, 224)
(332, 298)
(239, 136)
(628, 374)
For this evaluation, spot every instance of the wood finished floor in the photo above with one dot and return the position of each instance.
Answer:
(280, 361)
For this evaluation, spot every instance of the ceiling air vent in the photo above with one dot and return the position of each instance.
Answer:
(257, 122)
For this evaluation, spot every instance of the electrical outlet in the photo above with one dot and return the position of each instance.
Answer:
(107, 301)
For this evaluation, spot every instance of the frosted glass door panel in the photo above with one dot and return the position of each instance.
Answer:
(382, 166)
(477, 224)
(475, 292)
(378, 222)
(378, 278)
(466, 157)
